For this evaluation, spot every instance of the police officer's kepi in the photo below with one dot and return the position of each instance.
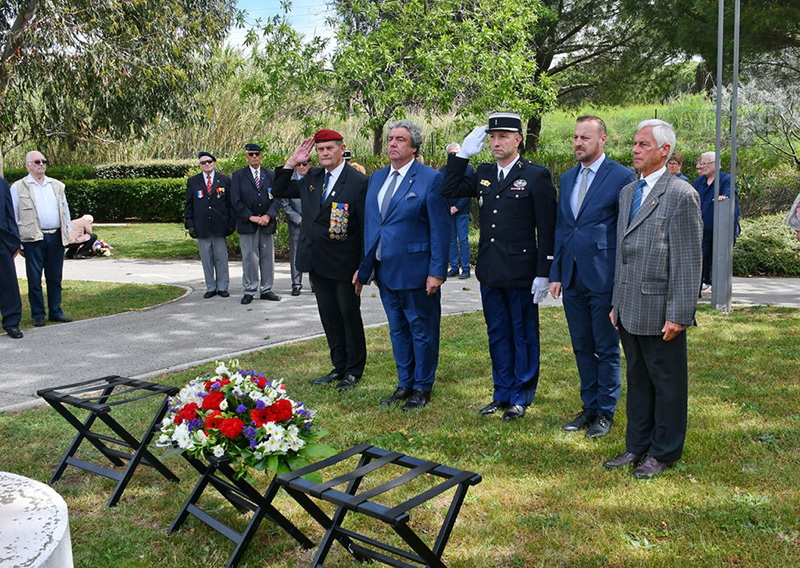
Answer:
(509, 121)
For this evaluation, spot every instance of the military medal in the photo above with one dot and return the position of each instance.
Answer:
(486, 182)
(520, 183)
(337, 229)
(199, 194)
(480, 201)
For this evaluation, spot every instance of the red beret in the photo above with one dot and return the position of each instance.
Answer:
(326, 135)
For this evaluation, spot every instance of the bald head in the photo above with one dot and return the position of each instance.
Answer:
(36, 164)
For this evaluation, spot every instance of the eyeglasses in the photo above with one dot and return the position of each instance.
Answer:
(253, 154)
(673, 163)
(704, 164)
(38, 162)
(304, 164)
(204, 162)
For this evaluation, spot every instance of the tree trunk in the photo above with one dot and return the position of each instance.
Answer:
(532, 134)
(377, 141)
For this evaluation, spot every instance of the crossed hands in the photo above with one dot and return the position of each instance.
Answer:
(302, 154)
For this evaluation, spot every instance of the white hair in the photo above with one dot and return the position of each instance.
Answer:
(452, 147)
(710, 156)
(663, 132)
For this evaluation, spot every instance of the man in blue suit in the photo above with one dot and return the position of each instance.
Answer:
(10, 301)
(583, 268)
(459, 219)
(406, 240)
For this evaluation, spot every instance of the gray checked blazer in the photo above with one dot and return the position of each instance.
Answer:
(659, 257)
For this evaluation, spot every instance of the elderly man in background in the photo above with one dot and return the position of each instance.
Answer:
(704, 185)
(42, 213)
(81, 238)
(656, 278)
(10, 302)
(294, 215)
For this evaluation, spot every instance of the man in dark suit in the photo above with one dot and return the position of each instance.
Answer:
(293, 208)
(459, 220)
(656, 278)
(255, 208)
(10, 301)
(583, 267)
(209, 218)
(330, 247)
(517, 208)
(406, 240)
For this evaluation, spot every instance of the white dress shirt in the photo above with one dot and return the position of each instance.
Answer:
(593, 167)
(44, 197)
(650, 181)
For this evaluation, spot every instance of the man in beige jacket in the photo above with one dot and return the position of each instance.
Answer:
(43, 219)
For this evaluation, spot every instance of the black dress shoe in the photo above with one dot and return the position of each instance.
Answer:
(514, 411)
(38, 322)
(418, 399)
(348, 382)
(580, 422)
(208, 295)
(493, 407)
(650, 467)
(13, 332)
(223, 293)
(401, 393)
(247, 298)
(327, 379)
(271, 296)
(600, 427)
(296, 290)
(453, 271)
(60, 319)
(622, 460)
(464, 275)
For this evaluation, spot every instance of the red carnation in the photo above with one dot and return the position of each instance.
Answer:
(231, 427)
(260, 381)
(214, 420)
(212, 400)
(260, 417)
(187, 413)
(282, 410)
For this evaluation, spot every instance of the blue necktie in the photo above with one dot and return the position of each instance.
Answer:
(325, 187)
(636, 204)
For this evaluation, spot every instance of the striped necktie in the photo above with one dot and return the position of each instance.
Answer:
(636, 204)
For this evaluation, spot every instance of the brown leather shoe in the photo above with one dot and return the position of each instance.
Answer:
(650, 467)
(625, 459)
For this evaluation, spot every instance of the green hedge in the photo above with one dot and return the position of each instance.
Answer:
(120, 199)
(154, 170)
(771, 192)
(58, 172)
(766, 247)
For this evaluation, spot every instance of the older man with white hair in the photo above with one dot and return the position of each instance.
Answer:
(656, 278)
(40, 206)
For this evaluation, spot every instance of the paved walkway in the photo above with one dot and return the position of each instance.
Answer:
(190, 331)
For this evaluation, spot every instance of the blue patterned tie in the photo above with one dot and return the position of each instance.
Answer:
(636, 204)
(325, 187)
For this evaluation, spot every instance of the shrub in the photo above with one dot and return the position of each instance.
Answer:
(57, 172)
(766, 247)
(149, 170)
(771, 192)
(117, 200)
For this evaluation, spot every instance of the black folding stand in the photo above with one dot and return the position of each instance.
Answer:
(99, 407)
(241, 495)
(396, 517)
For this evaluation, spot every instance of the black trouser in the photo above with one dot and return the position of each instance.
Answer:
(340, 312)
(658, 384)
(81, 249)
(10, 301)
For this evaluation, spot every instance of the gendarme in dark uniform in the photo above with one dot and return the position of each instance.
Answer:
(331, 247)
(517, 212)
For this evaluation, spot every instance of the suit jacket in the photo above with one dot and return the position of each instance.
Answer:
(248, 200)
(517, 219)
(9, 232)
(659, 257)
(293, 209)
(332, 234)
(210, 215)
(590, 240)
(414, 236)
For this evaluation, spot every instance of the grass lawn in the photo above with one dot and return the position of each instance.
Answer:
(545, 500)
(83, 300)
(149, 240)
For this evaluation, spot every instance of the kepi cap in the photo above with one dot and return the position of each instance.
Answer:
(509, 121)
(326, 135)
(252, 148)
(347, 155)
(209, 154)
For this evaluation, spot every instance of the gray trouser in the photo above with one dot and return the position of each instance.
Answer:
(294, 238)
(214, 256)
(258, 252)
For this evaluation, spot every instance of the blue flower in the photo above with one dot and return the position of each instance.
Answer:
(253, 444)
(241, 408)
(260, 404)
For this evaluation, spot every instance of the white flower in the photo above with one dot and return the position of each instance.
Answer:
(274, 431)
(222, 369)
(181, 435)
(219, 451)
(223, 406)
(163, 440)
(200, 437)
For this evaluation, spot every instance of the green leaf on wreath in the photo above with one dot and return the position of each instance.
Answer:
(272, 463)
(316, 451)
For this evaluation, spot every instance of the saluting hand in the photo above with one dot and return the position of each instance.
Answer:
(302, 154)
(473, 143)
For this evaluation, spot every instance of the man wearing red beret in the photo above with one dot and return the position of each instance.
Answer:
(330, 247)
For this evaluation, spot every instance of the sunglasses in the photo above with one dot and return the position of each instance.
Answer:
(38, 162)
(304, 164)
(253, 154)
(204, 162)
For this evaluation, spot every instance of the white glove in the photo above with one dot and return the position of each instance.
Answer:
(539, 289)
(473, 143)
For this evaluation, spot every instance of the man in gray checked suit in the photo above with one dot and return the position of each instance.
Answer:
(657, 274)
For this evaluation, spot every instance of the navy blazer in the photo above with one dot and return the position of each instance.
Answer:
(210, 215)
(248, 200)
(331, 239)
(9, 232)
(590, 241)
(414, 236)
(517, 219)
